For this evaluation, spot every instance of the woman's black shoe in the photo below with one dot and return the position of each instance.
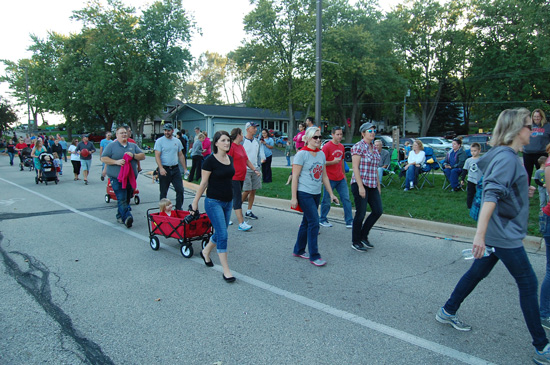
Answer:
(209, 264)
(228, 280)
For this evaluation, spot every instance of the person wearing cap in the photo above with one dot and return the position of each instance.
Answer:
(116, 156)
(167, 155)
(85, 161)
(252, 181)
(365, 187)
(453, 164)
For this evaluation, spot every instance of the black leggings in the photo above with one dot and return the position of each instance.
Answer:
(76, 167)
(195, 168)
(530, 161)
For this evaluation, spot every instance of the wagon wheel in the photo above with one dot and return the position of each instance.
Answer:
(136, 199)
(107, 198)
(204, 242)
(155, 243)
(187, 251)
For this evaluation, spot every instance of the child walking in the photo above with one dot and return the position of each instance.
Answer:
(474, 174)
(540, 180)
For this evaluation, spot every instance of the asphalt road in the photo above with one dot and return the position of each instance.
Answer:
(77, 287)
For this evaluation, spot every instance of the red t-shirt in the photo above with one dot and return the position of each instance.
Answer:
(239, 161)
(333, 151)
(20, 146)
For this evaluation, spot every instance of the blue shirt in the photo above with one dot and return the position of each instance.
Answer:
(169, 150)
(267, 151)
(104, 142)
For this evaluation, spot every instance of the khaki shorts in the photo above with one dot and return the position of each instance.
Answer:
(252, 181)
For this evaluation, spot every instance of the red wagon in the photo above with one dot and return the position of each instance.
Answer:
(111, 194)
(176, 227)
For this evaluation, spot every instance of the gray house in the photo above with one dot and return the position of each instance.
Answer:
(213, 118)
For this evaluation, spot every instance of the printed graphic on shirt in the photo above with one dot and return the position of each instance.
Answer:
(473, 167)
(337, 154)
(316, 171)
(537, 131)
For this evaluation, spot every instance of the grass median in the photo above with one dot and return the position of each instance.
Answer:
(430, 203)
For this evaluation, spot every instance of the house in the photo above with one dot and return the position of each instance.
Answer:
(212, 118)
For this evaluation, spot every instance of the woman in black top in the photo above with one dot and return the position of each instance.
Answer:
(217, 174)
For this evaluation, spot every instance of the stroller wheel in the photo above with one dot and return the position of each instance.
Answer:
(155, 243)
(187, 251)
(56, 181)
(46, 182)
(136, 199)
(204, 242)
(36, 180)
(107, 198)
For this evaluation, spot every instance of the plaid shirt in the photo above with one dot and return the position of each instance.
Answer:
(368, 167)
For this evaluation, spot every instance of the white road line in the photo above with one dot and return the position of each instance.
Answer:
(378, 327)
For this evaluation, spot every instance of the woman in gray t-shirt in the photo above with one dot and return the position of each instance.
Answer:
(308, 174)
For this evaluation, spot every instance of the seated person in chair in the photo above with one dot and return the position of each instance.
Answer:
(384, 159)
(453, 164)
(417, 158)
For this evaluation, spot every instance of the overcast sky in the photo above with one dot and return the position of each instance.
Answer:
(220, 20)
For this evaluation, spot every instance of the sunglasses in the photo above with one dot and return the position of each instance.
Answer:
(371, 131)
(528, 126)
(316, 137)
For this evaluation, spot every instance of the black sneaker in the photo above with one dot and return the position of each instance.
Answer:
(129, 222)
(367, 244)
(359, 247)
(250, 215)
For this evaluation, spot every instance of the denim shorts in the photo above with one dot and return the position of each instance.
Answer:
(544, 224)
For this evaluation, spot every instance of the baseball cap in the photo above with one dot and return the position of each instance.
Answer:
(365, 126)
(168, 126)
(85, 135)
(251, 124)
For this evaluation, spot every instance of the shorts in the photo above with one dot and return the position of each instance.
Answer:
(86, 164)
(237, 194)
(252, 181)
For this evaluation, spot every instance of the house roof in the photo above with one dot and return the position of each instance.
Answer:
(236, 112)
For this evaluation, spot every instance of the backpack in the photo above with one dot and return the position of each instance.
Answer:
(476, 203)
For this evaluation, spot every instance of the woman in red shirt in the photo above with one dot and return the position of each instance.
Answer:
(240, 161)
(206, 146)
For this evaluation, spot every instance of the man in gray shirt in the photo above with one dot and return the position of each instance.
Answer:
(167, 155)
(116, 155)
(384, 159)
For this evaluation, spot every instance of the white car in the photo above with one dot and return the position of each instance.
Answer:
(440, 145)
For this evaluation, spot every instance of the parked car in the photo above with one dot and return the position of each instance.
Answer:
(96, 137)
(481, 138)
(387, 141)
(280, 141)
(440, 145)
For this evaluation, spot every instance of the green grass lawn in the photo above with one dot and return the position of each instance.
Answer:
(430, 203)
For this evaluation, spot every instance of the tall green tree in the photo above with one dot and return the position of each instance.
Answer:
(7, 116)
(278, 55)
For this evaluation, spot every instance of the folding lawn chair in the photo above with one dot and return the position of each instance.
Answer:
(393, 169)
(427, 174)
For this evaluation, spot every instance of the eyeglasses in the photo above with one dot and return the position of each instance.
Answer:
(528, 126)
(316, 137)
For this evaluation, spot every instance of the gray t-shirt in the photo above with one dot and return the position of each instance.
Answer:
(169, 150)
(311, 176)
(384, 158)
(474, 173)
(116, 151)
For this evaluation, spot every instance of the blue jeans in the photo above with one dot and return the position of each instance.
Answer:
(452, 175)
(11, 154)
(123, 198)
(288, 160)
(341, 187)
(545, 287)
(219, 213)
(517, 263)
(173, 175)
(360, 230)
(309, 228)
(412, 175)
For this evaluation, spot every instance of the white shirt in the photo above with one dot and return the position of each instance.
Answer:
(417, 158)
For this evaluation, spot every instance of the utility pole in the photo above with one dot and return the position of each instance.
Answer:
(408, 93)
(318, 63)
(28, 104)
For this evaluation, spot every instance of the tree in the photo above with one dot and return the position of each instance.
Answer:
(427, 39)
(278, 55)
(7, 116)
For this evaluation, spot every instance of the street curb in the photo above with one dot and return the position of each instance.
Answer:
(443, 230)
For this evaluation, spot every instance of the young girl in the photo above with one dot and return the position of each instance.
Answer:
(56, 163)
(165, 206)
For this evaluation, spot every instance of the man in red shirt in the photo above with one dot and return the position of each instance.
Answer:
(19, 147)
(334, 152)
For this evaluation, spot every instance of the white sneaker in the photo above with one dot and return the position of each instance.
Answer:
(412, 185)
(244, 226)
(230, 223)
(349, 225)
(325, 224)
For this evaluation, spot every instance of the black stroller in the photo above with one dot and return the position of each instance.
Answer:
(26, 159)
(47, 168)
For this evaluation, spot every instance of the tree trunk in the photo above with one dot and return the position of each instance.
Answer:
(429, 108)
